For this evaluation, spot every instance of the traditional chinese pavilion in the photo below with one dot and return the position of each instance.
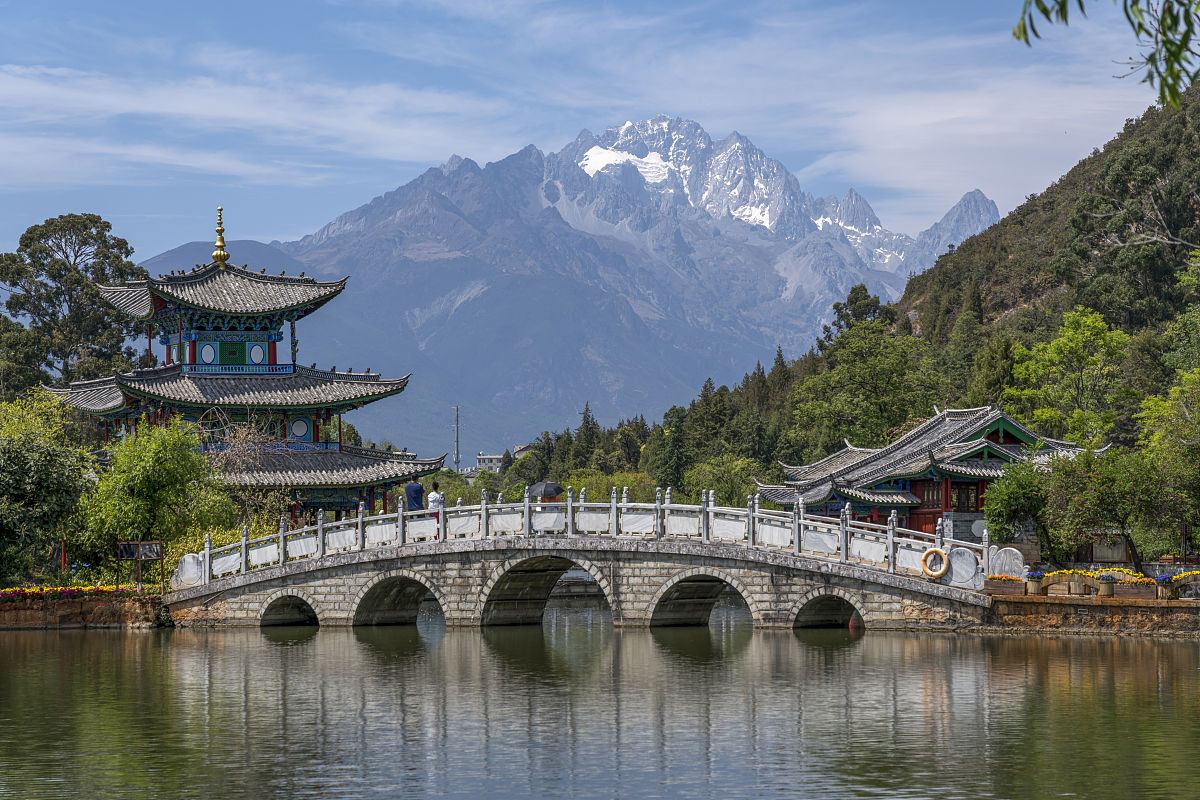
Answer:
(938, 470)
(220, 327)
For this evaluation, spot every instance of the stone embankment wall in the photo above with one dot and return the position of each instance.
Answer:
(1094, 615)
(81, 612)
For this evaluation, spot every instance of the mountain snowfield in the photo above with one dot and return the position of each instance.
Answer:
(621, 271)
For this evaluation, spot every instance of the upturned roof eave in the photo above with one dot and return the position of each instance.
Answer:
(315, 302)
(287, 479)
(348, 402)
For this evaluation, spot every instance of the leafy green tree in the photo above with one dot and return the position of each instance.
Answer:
(20, 360)
(731, 478)
(1064, 388)
(600, 484)
(42, 477)
(875, 381)
(1101, 497)
(993, 371)
(674, 455)
(859, 306)
(159, 486)
(1018, 500)
(1166, 30)
(52, 281)
(957, 358)
(585, 438)
(705, 420)
(1171, 435)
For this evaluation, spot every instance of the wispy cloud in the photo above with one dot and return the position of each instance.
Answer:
(865, 93)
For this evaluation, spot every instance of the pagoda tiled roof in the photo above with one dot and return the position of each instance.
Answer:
(947, 441)
(99, 396)
(350, 466)
(305, 388)
(224, 289)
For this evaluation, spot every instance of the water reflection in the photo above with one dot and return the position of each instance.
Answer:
(289, 635)
(575, 708)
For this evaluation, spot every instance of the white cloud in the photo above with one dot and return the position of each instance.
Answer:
(920, 110)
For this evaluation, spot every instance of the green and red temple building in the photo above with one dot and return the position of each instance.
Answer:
(220, 327)
(939, 470)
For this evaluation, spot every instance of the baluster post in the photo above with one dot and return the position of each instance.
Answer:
(282, 543)
(570, 511)
(614, 522)
(937, 535)
(245, 549)
(320, 533)
(705, 519)
(798, 523)
(483, 514)
(987, 556)
(893, 520)
(583, 495)
(658, 512)
(207, 558)
(442, 513)
(667, 503)
(527, 521)
(750, 520)
(625, 496)
(844, 531)
(362, 528)
(401, 534)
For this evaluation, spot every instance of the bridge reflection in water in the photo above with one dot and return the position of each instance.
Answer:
(577, 708)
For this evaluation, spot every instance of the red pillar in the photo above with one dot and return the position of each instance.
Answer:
(317, 429)
(946, 494)
(385, 501)
(271, 352)
(874, 513)
(191, 357)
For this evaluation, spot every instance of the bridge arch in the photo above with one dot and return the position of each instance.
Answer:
(826, 607)
(394, 598)
(516, 591)
(688, 597)
(289, 605)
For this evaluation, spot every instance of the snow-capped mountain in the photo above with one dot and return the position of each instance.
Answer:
(622, 270)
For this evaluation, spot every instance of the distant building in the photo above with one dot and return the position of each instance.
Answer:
(940, 470)
(520, 450)
(490, 463)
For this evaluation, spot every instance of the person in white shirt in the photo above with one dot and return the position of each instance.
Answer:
(437, 501)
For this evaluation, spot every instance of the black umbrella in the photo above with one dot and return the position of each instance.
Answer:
(545, 489)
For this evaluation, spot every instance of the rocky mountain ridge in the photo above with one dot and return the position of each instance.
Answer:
(622, 271)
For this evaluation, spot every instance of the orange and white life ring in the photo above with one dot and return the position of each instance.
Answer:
(940, 571)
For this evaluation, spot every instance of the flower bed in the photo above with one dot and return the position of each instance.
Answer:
(13, 595)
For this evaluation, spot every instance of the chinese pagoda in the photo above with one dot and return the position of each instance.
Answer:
(220, 326)
(939, 470)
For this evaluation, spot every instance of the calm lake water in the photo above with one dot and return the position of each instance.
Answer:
(575, 708)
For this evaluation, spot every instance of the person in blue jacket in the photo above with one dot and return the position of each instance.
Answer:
(414, 495)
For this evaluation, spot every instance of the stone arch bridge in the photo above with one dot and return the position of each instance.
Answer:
(654, 564)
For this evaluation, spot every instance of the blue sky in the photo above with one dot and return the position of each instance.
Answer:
(287, 114)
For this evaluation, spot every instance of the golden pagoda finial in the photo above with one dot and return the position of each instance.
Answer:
(219, 255)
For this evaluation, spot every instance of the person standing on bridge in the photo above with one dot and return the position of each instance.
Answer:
(437, 501)
(414, 495)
